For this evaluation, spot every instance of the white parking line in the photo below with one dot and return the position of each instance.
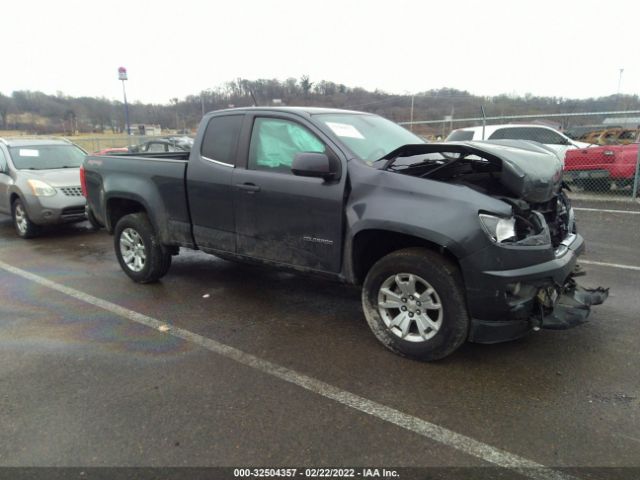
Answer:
(612, 265)
(631, 212)
(417, 425)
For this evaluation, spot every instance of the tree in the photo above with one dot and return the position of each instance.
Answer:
(6, 105)
(305, 84)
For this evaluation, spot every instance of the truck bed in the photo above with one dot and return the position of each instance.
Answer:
(155, 181)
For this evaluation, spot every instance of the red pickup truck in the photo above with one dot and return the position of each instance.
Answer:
(596, 168)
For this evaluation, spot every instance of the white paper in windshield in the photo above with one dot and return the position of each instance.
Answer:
(344, 130)
(26, 152)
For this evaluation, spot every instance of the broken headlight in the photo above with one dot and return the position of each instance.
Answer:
(499, 229)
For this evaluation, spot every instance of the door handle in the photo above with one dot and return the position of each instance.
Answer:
(249, 187)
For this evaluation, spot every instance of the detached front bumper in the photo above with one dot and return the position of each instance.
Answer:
(507, 304)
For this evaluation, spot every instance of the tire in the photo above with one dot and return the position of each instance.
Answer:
(448, 325)
(25, 228)
(93, 221)
(149, 260)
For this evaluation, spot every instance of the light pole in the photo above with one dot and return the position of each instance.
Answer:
(620, 80)
(412, 97)
(175, 102)
(122, 75)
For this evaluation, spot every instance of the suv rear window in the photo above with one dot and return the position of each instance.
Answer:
(460, 136)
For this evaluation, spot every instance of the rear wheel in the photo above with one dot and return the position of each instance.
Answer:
(25, 228)
(140, 254)
(414, 303)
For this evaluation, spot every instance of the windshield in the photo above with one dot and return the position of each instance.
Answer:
(46, 157)
(368, 136)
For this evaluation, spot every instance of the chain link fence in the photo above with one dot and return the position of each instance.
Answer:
(599, 149)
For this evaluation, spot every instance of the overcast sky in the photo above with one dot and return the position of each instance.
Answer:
(176, 48)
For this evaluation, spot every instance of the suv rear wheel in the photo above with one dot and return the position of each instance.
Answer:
(414, 303)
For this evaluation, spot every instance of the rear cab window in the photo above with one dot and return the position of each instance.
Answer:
(220, 140)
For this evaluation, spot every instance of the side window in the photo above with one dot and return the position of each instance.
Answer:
(541, 135)
(549, 137)
(3, 162)
(460, 136)
(275, 142)
(220, 140)
(156, 147)
(500, 134)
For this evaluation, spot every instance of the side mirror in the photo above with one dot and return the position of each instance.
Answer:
(308, 164)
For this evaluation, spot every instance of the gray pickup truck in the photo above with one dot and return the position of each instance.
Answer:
(450, 242)
(40, 183)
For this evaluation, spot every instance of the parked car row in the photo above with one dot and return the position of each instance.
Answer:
(586, 165)
(156, 145)
(548, 136)
(611, 136)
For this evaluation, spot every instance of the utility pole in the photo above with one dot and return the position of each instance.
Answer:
(620, 80)
(122, 75)
(411, 124)
(175, 102)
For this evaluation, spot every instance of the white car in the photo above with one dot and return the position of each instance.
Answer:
(537, 133)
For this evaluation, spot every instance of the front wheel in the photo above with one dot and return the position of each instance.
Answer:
(140, 254)
(25, 228)
(414, 303)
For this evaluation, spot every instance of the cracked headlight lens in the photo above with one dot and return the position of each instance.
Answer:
(499, 229)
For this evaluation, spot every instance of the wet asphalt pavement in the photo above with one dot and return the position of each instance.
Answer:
(82, 386)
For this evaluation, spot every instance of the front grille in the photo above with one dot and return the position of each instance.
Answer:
(72, 191)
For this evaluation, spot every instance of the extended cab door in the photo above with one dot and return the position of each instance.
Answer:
(209, 183)
(282, 217)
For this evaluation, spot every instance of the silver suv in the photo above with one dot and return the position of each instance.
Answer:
(40, 183)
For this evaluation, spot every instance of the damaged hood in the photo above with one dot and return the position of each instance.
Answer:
(530, 170)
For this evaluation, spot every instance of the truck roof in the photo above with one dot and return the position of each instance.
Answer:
(30, 142)
(298, 110)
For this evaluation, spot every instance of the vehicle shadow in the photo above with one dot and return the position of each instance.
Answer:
(7, 229)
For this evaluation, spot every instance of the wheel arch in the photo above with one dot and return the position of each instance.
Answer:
(370, 245)
(118, 206)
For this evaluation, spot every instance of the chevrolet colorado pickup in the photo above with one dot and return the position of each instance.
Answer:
(450, 242)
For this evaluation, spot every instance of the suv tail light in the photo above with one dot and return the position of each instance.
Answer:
(83, 182)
